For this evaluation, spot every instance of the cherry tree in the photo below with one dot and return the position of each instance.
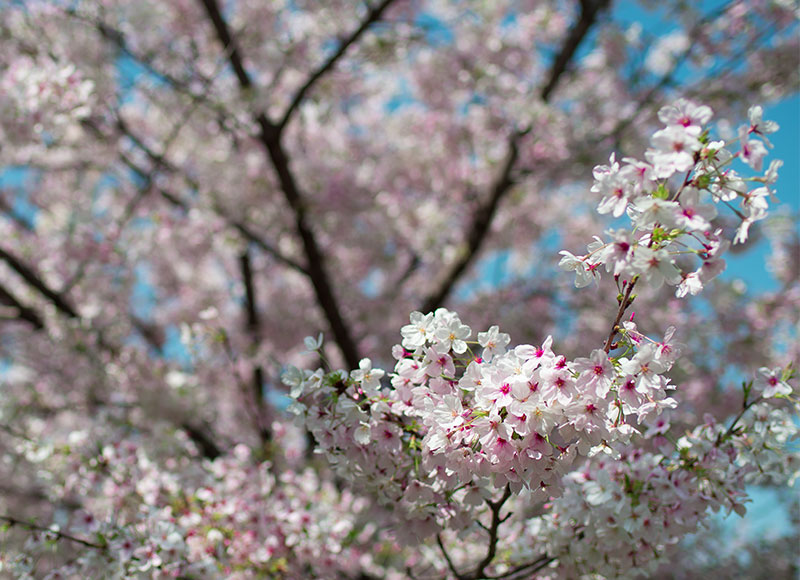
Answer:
(390, 289)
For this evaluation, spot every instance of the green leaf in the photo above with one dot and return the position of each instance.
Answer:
(662, 192)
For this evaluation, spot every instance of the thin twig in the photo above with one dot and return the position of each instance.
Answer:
(58, 534)
(447, 557)
(625, 302)
(372, 16)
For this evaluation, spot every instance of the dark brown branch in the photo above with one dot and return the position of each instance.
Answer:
(25, 313)
(208, 447)
(484, 216)
(447, 557)
(253, 327)
(257, 240)
(251, 309)
(372, 16)
(495, 507)
(590, 10)
(8, 210)
(153, 334)
(314, 257)
(228, 42)
(270, 137)
(32, 278)
(478, 229)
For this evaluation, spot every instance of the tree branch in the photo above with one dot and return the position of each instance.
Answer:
(270, 137)
(252, 326)
(624, 303)
(314, 257)
(161, 161)
(447, 557)
(495, 507)
(228, 42)
(590, 10)
(34, 280)
(372, 16)
(12, 521)
(483, 217)
(207, 445)
(8, 210)
(478, 229)
(25, 313)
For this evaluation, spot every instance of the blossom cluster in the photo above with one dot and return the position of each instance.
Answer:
(578, 452)
(671, 200)
(631, 513)
(235, 517)
(451, 429)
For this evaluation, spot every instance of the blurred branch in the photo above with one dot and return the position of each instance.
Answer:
(372, 16)
(203, 440)
(253, 328)
(162, 162)
(228, 42)
(478, 229)
(35, 281)
(447, 558)
(23, 312)
(270, 137)
(206, 444)
(483, 217)
(8, 210)
(526, 569)
(590, 10)
(12, 521)
(315, 261)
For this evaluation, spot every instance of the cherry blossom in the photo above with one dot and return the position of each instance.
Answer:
(195, 193)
